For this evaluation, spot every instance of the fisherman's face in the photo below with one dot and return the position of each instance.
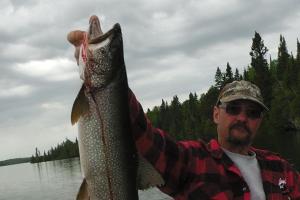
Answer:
(237, 122)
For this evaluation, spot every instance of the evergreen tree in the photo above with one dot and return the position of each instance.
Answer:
(162, 113)
(297, 67)
(44, 156)
(259, 63)
(228, 74)
(283, 58)
(218, 78)
(67, 149)
(190, 116)
(291, 75)
(163, 118)
(206, 104)
(32, 159)
(273, 66)
(237, 76)
(245, 75)
(37, 155)
(298, 51)
(154, 116)
(176, 127)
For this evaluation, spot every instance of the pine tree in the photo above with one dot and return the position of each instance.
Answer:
(237, 76)
(291, 76)
(228, 74)
(245, 75)
(259, 63)
(37, 155)
(283, 58)
(297, 66)
(219, 79)
(32, 159)
(206, 104)
(176, 118)
(44, 157)
(298, 51)
(163, 119)
(190, 115)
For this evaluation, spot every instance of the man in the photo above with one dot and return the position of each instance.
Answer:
(226, 168)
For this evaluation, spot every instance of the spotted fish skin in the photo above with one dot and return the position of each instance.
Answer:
(111, 166)
(107, 151)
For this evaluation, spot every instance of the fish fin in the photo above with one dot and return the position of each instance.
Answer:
(80, 106)
(147, 176)
(83, 193)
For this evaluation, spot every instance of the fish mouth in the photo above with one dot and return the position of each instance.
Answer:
(94, 33)
(94, 30)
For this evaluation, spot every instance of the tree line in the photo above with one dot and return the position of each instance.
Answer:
(14, 161)
(67, 149)
(279, 81)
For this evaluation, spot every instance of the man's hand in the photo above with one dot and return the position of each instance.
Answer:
(76, 38)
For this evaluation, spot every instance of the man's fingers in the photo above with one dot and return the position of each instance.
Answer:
(76, 37)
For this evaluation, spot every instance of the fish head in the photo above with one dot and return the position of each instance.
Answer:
(95, 56)
(94, 30)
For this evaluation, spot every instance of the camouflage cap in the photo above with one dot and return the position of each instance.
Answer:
(241, 90)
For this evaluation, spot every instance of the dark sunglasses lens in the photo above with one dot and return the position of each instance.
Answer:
(254, 113)
(233, 109)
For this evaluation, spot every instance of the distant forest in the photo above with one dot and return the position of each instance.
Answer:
(14, 161)
(279, 81)
(66, 149)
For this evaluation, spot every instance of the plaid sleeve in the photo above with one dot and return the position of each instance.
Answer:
(281, 180)
(293, 181)
(167, 156)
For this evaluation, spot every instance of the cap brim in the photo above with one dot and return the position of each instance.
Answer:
(238, 97)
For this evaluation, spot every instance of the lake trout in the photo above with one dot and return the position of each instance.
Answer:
(111, 166)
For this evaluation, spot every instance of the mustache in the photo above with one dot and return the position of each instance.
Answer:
(240, 125)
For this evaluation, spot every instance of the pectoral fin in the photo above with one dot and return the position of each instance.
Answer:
(80, 106)
(83, 191)
(147, 176)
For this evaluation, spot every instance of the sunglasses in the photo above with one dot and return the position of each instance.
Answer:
(252, 112)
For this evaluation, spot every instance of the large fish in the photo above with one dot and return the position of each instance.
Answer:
(111, 166)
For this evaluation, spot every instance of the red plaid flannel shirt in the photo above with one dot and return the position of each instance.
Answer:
(194, 170)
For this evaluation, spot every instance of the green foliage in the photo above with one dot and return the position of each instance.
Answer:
(283, 58)
(279, 81)
(191, 119)
(228, 74)
(260, 74)
(66, 149)
(219, 79)
(298, 51)
(237, 76)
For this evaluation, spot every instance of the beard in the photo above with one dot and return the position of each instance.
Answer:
(246, 140)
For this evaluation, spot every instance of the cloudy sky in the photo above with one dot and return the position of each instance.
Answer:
(171, 47)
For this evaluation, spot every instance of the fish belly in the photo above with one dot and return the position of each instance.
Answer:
(107, 150)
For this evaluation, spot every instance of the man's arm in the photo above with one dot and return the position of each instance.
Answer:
(293, 181)
(171, 159)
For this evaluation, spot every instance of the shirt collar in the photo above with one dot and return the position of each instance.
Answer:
(217, 152)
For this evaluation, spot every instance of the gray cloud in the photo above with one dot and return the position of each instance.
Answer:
(170, 47)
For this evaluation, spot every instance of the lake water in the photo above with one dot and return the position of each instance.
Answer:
(50, 181)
